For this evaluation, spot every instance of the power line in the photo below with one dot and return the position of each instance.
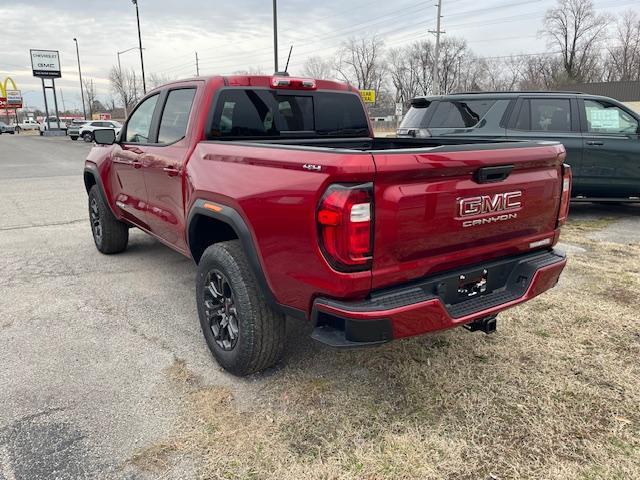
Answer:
(257, 57)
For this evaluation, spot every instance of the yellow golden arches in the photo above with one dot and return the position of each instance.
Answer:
(3, 86)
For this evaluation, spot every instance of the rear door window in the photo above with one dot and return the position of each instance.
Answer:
(545, 115)
(267, 113)
(460, 114)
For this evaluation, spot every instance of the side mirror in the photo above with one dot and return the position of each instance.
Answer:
(106, 136)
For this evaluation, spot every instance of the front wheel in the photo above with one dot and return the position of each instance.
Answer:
(242, 331)
(109, 234)
(87, 137)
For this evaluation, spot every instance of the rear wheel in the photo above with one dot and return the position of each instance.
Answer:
(109, 234)
(242, 331)
(87, 137)
(73, 137)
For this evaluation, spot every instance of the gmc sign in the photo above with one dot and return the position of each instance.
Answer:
(500, 202)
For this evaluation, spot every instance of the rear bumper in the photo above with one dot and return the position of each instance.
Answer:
(430, 304)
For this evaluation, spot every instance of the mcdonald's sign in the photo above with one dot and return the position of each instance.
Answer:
(10, 98)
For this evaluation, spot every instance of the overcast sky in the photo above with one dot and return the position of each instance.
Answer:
(236, 35)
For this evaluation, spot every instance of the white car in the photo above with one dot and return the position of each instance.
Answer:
(54, 123)
(85, 131)
(27, 124)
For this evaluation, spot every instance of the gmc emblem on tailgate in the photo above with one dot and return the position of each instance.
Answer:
(500, 204)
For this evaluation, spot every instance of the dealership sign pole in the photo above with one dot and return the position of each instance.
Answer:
(46, 64)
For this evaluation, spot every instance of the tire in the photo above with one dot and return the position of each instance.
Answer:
(259, 330)
(41, 133)
(87, 137)
(109, 234)
(12, 132)
(74, 138)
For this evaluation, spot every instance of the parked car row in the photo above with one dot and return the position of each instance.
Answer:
(601, 136)
(77, 128)
(85, 130)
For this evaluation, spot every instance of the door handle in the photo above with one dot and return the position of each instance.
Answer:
(595, 143)
(124, 161)
(171, 171)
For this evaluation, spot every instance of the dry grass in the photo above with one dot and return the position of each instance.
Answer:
(555, 394)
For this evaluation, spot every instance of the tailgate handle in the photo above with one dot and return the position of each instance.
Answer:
(493, 174)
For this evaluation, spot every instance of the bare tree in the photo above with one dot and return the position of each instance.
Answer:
(90, 94)
(623, 62)
(501, 74)
(403, 70)
(318, 67)
(542, 72)
(125, 87)
(454, 57)
(157, 79)
(360, 61)
(251, 71)
(575, 30)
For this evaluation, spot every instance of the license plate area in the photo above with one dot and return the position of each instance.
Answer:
(465, 285)
(472, 284)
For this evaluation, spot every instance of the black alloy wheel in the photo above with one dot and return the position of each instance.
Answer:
(220, 310)
(96, 224)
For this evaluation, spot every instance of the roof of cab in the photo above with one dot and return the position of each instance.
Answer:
(259, 81)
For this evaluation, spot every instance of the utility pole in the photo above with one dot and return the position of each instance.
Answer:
(197, 66)
(275, 35)
(144, 82)
(436, 52)
(64, 108)
(84, 109)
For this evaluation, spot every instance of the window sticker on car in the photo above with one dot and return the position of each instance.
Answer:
(603, 119)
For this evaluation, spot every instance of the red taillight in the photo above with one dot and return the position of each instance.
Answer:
(293, 83)
(345, 226)
(565, 196)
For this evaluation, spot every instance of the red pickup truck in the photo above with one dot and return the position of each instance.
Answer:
(277, 189)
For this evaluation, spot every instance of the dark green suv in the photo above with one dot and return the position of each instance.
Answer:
(601, 136)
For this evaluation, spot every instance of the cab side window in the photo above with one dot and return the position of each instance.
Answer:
(604, 117)
(175, 115)
(139, 126)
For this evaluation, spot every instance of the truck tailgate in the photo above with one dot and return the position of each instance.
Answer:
(448, 207)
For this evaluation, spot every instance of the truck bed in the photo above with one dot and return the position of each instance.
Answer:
(377, 144)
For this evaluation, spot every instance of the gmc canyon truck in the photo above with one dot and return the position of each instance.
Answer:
(277, 189)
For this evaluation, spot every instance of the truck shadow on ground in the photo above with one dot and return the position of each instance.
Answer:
(580, 210)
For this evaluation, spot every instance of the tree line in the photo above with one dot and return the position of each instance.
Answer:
(583, 46)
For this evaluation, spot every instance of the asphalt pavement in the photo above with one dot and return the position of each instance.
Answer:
(86, 339)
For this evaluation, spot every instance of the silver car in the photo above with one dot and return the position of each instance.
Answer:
(4, 128)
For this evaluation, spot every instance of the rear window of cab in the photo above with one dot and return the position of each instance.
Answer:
(446, 113)
(255, 113)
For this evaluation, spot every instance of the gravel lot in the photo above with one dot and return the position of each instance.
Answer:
(102, 356)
